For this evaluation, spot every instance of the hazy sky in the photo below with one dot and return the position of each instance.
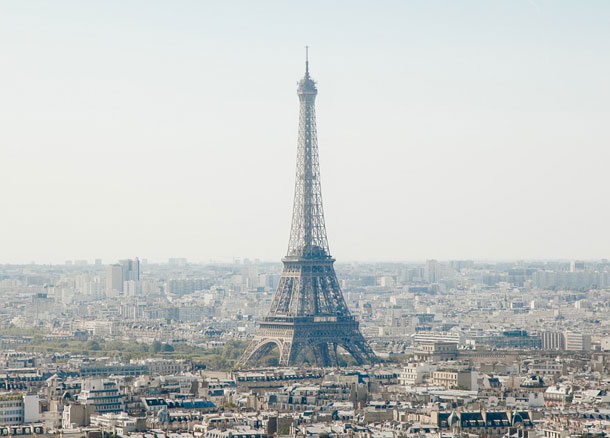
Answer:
(447, 129)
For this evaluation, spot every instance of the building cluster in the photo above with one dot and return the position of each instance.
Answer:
(466, 349)
(480, 305)
(471, 394)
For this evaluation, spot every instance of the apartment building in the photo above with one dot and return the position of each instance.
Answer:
(436, 351)
(414, 373)
(17, 408)
(102, 394)
(454, 379)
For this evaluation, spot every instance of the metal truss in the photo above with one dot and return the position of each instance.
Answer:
(308, 311)
(308, 232)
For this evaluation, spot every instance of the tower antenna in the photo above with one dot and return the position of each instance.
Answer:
(307, 61)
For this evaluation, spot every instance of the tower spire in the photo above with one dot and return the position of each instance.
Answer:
(308, 232)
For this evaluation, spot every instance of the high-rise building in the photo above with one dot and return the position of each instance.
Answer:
(114, 278)
(432, 271)
(309, 318)
(131, 269)
(118, 274)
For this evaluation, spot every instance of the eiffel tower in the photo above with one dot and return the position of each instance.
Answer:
(309, 318)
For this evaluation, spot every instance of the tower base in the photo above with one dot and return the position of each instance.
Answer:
(320, 334)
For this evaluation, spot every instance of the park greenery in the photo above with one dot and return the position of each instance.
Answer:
(217, 358)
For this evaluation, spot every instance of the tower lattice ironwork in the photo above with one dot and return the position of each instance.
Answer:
(308, 319)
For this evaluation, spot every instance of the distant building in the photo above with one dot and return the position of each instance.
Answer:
(103, 395)
(436, 351)
(454, 379)
(432, 271)
(132, 288)
(566, 341)
(553, 341)
(131, 269)
(243, 432)
(577, 280)
(114, 278)
(178, 261)
(99, 327)
(427, 337)
(483, 423)
(126, 271)
(547, 368)
(76, 415)
(414, 374)
(16, 408)
(558, 394)
(11, 409)
(164, 366)
(187, 286)
(113, 370)
(577, 341)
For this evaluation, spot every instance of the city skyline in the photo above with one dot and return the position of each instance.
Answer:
(161, 132)
(166, 271)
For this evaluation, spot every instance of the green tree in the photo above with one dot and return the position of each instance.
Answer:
(93, 346)
(156, 347)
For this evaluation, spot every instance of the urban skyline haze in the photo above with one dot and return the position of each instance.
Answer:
(470, 131)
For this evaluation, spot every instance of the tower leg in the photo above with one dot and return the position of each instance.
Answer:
(286, 353)
(257, 349)
(335, 355)
(310, 343)
(360, 351)
(353, 350)
(292, 353)
(247, 354)
(322, 355)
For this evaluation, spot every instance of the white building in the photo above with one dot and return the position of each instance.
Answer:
(164, 367)
(17, 408)
(553, 341)
(577, 341)
(414, 374)
(114, 278)
(102, 394)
